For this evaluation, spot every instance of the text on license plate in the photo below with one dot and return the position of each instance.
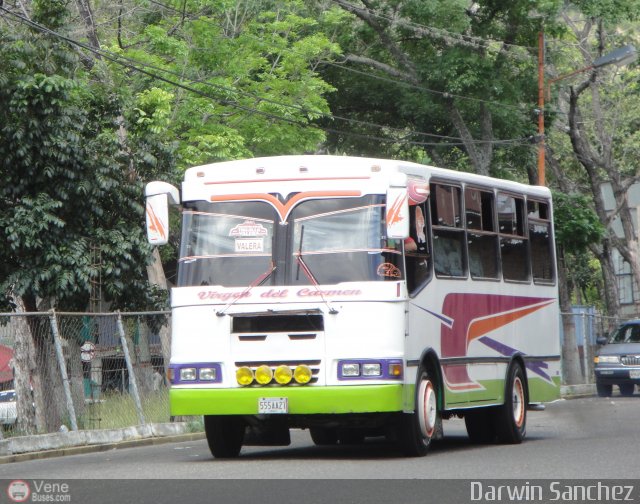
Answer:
(634, 374)
(273, 405)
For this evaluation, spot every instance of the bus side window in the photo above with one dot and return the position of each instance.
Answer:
(449, 248)
(482, 239)
(513, 239)
(540, 240)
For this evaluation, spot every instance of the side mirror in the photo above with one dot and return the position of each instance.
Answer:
(159, 195)
(397, 215)
(602, 340)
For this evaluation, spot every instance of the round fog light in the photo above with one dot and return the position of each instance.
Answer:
(244, 376)
(302, 374)
(283, 374)
(264, 374)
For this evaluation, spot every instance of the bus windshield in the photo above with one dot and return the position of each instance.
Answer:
(324, 241)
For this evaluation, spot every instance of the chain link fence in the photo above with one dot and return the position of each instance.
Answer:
(79, 371)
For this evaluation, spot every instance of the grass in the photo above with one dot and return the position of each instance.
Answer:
(116, 411)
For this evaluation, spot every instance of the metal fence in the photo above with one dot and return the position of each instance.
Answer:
(80, 371)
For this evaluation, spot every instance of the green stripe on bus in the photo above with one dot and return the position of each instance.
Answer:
(302, 400)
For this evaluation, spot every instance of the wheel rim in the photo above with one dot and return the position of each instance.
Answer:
(427, 409)
(518, 402)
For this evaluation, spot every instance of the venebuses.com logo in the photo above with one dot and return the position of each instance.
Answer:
(18, 491)
(38, 491)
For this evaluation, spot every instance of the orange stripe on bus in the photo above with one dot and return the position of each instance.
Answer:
(284, 209)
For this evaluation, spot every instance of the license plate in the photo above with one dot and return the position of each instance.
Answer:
(634, 374)
(273, 405)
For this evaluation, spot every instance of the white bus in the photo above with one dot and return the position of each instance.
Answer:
(358, 297)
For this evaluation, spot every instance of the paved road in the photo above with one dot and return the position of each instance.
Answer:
(579, 438)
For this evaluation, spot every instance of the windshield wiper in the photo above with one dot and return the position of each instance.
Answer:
(258, 281)
(309, 274)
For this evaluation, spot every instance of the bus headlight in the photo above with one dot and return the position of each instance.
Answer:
(244, 376)
(371, 369)
(283, 374)
(207, 374)
(302, 374)
(264, 375)
(350, 369)
(188, 374)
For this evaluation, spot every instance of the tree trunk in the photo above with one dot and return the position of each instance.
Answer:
(571, 373)
(24, 365)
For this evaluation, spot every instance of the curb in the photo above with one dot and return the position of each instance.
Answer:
(42, 446)
(574, 391)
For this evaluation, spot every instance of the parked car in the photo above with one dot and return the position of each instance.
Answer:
(8, 412)
(618, 360)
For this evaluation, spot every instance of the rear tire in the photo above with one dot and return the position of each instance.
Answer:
(511, 417)
(416, 430)
(627, 389)
(225, 435)
(603, 390)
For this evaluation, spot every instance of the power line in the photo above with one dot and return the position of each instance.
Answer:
(136, 66)
(444, 94)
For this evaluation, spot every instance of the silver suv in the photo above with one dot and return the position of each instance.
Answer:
(618, 361)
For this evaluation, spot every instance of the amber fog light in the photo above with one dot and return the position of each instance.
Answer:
(264, 375)
(244, 376)
(302, 374)
(283, 374)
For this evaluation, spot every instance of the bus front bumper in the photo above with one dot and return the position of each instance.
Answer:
(301, 400)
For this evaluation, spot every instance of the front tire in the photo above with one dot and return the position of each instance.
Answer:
(225, 435)
(322, 436)
(603, 390)
(511, 417)
(627, 389)
(416, 430)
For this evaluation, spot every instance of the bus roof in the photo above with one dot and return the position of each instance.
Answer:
(237, 176)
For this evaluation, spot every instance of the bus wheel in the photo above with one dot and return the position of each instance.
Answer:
(416, 430)
(511, 417)
(479, 423)
(225, 435)
(322, 436)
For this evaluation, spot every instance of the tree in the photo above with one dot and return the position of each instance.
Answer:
(63, 193)
(600, 125)
(460, 75)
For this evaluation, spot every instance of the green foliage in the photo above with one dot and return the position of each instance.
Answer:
(576, 224)
(612, 11)
(70, 204)
(479, 59)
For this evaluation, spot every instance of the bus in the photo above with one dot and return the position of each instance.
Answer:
(358, 297)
